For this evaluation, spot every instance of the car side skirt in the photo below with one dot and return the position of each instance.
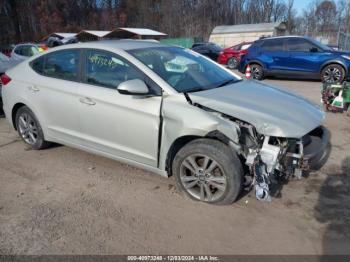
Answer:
(293, 74)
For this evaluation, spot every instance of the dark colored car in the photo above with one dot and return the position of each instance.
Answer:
(232, 56)
(6, 49)
(210, 50)
(297, 57)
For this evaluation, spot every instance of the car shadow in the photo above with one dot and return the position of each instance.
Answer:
(292, 79)
(333, 209)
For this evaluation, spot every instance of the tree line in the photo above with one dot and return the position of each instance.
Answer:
(31, 20)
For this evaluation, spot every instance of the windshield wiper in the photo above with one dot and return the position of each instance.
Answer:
(231, 81)
(195, 90)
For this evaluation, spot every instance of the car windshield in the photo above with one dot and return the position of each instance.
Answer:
(183, 69)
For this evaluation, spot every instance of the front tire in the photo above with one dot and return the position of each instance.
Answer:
(208, 170)
(29, 129)
(333, 74)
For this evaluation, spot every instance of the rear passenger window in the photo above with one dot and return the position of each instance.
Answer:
(38, 65)
(62, 64)
(28, 50)
(273, 45)
(108, 70)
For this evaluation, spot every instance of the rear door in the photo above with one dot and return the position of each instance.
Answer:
(54, 91)
(274, 55)
(123, 126)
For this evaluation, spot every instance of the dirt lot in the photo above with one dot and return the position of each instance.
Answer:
(65, 201)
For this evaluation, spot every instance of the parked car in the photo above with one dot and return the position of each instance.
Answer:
(6, 49)
(297, 57)
(5, 64)
(232, 56)
(210, 50)
(22, 52)
(127, 100)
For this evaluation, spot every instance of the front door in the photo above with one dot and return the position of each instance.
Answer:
(304, 56)
(124, 126)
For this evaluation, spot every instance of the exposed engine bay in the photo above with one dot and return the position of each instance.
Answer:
(272, 160)
(269, 159)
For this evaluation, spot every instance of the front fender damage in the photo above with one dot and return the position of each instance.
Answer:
(270, 159)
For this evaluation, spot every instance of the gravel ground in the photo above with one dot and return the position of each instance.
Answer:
(65, 201)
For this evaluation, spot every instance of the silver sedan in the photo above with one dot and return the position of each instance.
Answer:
(168, 110)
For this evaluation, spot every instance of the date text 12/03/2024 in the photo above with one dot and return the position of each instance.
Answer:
(173, 258)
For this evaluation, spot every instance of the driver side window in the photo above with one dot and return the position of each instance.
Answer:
(108, 70)
(300, 45)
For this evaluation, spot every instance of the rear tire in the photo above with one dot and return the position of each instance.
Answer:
(29, 129)
(208, 170)
(232, 63)
(257, 72)
(333, 74)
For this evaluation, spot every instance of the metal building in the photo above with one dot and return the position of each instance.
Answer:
(91, 35)
(230, 35)
(135, 33)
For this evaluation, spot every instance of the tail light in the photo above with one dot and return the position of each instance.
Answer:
(5, 79)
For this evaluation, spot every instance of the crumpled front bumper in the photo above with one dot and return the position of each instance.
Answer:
(316, 148)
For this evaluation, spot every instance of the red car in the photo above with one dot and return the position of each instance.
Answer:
(232, 55)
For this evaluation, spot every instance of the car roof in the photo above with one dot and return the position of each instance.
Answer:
(24, 44)
(281, 37)
(204, 43)
(117, 44)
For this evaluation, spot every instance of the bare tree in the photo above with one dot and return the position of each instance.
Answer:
(31, 20)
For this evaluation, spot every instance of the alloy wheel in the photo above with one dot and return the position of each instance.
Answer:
(28, 128)
(332, 75)
(232, 63)
(203, 178)
(256, 72)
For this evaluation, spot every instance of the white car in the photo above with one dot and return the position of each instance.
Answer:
(168, 110)
(22, 52)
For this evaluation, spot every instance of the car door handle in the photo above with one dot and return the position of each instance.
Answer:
(33, 89)
(87, 101)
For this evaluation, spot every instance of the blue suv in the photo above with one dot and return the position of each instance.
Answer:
(296, 57)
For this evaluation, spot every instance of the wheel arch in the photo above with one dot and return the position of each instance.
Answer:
(15, 109)
(336, 62)
(251, 62)
(182, 141)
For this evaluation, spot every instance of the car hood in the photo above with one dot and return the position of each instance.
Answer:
(273, 112)
(337, 52)
(229, 50)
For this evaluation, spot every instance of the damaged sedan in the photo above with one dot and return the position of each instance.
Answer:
(168, 110)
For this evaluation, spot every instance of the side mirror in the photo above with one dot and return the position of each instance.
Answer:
(133, 87)
(314, 50)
